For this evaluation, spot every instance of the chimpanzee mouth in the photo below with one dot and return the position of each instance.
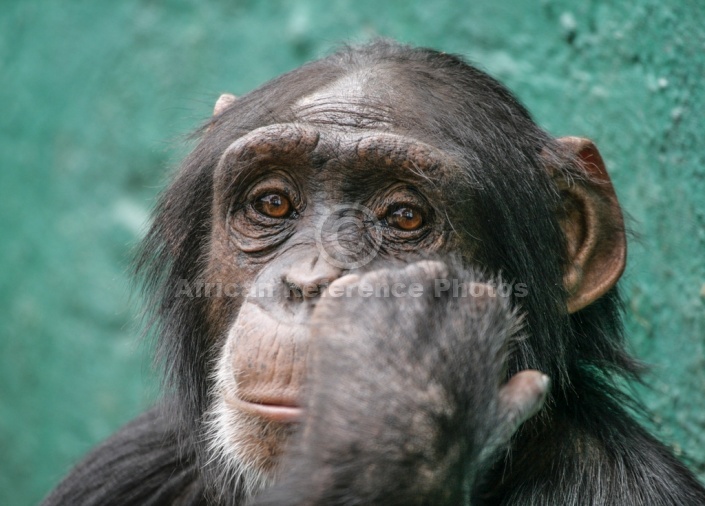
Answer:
(274, 410)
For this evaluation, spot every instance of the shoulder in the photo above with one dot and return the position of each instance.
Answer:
(140, 464)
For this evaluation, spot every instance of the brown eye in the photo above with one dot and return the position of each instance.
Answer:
(405, 218)
(273, 205)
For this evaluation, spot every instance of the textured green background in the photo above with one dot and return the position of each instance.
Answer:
(95, 98)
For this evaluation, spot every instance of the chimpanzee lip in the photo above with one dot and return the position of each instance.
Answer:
(275, 410)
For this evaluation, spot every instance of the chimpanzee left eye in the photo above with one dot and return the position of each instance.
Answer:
(274, 205)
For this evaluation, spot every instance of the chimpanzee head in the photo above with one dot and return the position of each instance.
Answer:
(377, 152)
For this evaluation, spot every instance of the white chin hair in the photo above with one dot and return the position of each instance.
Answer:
(231, 454)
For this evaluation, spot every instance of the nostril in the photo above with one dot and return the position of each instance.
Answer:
(306, 280)
(311, 290)
(306, 290)
(294, 292)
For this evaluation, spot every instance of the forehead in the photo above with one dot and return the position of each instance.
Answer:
(362, 123)
(357, 100)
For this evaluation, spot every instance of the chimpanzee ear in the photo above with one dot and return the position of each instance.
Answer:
(593, 226)
(224, 101)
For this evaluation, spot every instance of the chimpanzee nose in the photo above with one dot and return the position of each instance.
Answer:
(308, 278)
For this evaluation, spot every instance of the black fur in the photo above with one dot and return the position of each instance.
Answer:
(138, 465)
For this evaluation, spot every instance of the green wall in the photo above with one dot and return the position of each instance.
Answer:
(95, 100)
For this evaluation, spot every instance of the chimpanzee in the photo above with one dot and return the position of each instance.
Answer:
(378, 152)
(418, 423)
